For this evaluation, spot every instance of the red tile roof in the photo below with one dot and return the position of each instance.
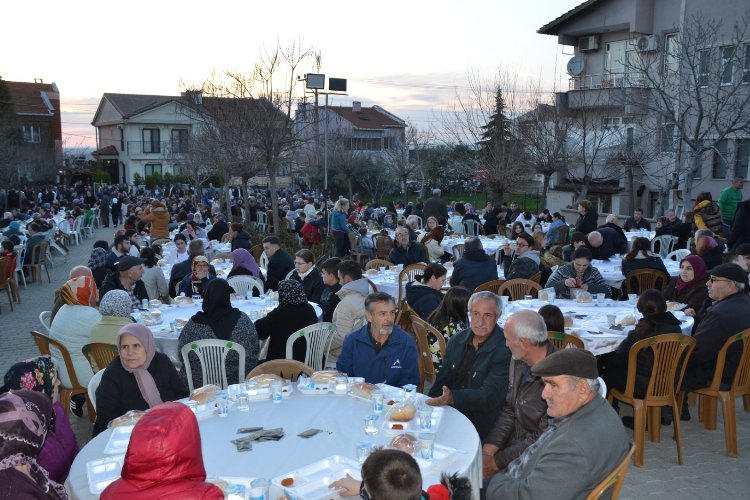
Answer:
(372, 118)
(106, 151)
(27, 97)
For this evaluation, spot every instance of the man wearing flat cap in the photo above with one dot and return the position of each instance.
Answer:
(582, 444)
(127, 276)
(727, 315)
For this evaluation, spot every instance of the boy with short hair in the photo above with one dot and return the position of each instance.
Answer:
(328, 299)
(385, 474)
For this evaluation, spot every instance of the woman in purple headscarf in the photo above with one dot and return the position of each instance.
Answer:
(25, 419)
(243, 264)
(138, 379)
(689, 287)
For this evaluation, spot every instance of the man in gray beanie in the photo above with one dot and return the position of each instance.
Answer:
(583, 443)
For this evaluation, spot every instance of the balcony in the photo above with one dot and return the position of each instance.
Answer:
(146, 150)
(611, 90)
(633, 79)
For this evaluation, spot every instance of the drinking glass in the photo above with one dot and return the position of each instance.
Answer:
(426, 445)
(276, 391)
(632, 298)
(370, 427)
(259, 489)
(377, 401)
(243, 402)
(363, 450)
(425, 418)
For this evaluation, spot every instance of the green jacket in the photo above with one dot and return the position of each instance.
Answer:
(728, 200)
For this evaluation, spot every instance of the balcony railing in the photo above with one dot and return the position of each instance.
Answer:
(161, 149)
(607, 81)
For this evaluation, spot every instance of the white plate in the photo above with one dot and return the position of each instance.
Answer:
(311, 482)
(118, 440)
(319, 390)
(102, 472)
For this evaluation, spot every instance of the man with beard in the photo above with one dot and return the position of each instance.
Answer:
(406, 252)
(380, 351)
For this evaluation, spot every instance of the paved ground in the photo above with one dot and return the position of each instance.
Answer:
(707, 472)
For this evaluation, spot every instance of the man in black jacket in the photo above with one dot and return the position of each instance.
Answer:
(606, 242)
(240, 237)
(219, 229)
(406, 252)
(179, 271)
(279, 262)
(435, 206)
(127, 276)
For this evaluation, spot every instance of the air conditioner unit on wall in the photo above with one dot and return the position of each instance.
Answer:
(588, 43)
(648, 43)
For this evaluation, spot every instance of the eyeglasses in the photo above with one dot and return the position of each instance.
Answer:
(714, 280)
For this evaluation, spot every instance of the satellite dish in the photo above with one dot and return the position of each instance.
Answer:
(575, 66)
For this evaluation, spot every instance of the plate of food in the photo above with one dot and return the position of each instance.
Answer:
(312, 481)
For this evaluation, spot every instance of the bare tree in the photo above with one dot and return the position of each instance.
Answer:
(403, 159)
(698, 92)
(375, 178)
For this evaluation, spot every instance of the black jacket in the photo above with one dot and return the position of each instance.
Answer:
(329, 300)
(313, 284)
(612, 243)
(112, 282)
(242, 240)
(278, 267)
(741, 227)
(422, 299)
(413, 254)
(220, 229)
(280, 324)
(118, 391)
(587, 222)
(473, 269)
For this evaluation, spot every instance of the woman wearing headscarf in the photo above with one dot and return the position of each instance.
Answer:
(219, 320)
(60, 446)
(72, 324)
(115, 308)
(196, 282)
(243, 264)
(292, 314)
(25, 419)
(98, 265)
(689, 287)
(164, 459)
(138, 379)
(470, 213)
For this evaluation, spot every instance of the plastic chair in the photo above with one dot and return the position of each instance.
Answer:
(740, 387)
(518, 288)
(457, 251)
(377, 264)
(536, 278)
(161, 241)
(212, 355)
(355, 245)
(318, 338)
(408, 274)
(490, 286)
(678, 255)
(671, 352)
(78, 228)
(561, 235)
(38, 261)
(403, 317)
(45, 318)
(383, 245)
(44, 342)
(88, 229)
(472, 227)
(100, 355)
(563, 340)
(663, 244)
(641, 280)
(285, 368)
(5, 283)
(373, 286)
(241, 285)
(261, 222)
(426, 369)
(19, 265)
(613, 482)
(263, 261)
(289, 274)
(93, 386)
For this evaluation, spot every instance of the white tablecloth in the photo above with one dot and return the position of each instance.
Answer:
(490, 245)
(343, 416)
(590, 321)
(387, 281)
(166, 340)
(611, 270)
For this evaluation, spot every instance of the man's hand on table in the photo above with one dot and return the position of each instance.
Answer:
(445, 399)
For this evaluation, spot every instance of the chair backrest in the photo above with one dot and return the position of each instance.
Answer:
(518, 288)
(256, 251)
(78, 223)
(44, 343)
(419, 222)
(490, 286)
(263, 261)
(241, 285)
(4, 272)
(39, 253)
(45, 318)
(640, 280)
(536, 278)
(260, 217)
(671, 352)
(21, 252)
(100, 355)
(373, 286)
(678, 254)
(472, 227)
(403, 318)
(378, 263)
(94, 385)
(426, 368)
(613, 482)
(741, 381)
(663, 244)
(318, 338)
(161, 241)
(457, 251)
(212, 355)
(561, 236)
(285, 368)
(408, 274)
(563, 340)
(383, 245)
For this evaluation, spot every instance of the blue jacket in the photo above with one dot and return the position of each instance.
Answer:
(338, 221)
(396, 364)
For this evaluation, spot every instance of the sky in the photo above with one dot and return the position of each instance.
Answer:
(411, 57)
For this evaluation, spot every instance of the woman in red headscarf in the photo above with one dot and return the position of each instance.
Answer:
(690, 286)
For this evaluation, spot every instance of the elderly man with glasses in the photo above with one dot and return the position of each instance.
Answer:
(724, 315)
(405, 251)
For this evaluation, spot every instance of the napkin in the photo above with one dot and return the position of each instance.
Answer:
(245, 443)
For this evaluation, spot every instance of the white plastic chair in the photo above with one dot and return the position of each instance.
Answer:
(78, 228)
(472, 227)
(261, 222)
(241, 285)
(21, 250)
(93, 385)
(289, 274)
(420, 226)
(263, 261)
(666, 244)
(678, 255)
(212, 355)
(318, 338)
(45, 318)
(88, 229)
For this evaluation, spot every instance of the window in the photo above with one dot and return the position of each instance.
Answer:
(704, 67)
(671, 54)
(152, 168)
(727, 65)
(667, 135)
(719, 170)
(746, 64)
(32, 133)
(742, 159)
(179, 140)
(151, 141)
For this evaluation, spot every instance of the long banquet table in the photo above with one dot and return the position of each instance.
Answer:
(340, 416)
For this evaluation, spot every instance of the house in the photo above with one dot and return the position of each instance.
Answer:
(660, 88)
(37, 108)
